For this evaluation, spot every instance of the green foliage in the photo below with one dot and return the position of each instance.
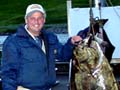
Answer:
(12, 12)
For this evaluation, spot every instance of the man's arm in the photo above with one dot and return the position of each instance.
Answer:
(65, 51)
(9, 66)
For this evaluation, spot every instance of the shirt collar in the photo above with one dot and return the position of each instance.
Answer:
(29, 32)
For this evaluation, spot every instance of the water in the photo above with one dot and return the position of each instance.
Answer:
(63, 38)
(2, 39)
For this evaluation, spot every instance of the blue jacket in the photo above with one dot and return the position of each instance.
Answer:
(25, 64)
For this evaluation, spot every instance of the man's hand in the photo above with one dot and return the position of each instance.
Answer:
(22, 88)
(76, 39)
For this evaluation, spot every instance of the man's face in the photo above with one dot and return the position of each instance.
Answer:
(35, 22)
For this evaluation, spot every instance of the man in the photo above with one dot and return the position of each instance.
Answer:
(28, 55)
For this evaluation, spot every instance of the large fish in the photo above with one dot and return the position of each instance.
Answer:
(91, 70)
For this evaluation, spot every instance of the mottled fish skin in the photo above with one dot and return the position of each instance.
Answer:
(88, 76)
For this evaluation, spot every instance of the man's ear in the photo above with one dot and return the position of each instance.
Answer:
(44, 20)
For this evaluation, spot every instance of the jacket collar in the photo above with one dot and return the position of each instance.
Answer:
(21, 31)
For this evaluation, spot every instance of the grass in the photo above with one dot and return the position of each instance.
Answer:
(12, 12)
